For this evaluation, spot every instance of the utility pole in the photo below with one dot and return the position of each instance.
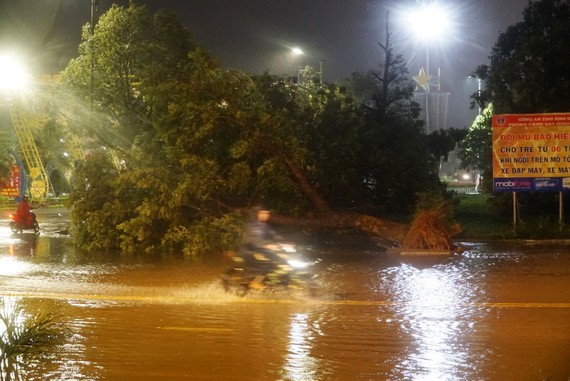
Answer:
(94, 4)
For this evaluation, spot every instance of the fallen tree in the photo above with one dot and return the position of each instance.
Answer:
(428, 230)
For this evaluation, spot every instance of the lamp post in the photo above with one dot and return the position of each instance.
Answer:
(428, 22)
(296, 51)
(478, 92)
(94, 4)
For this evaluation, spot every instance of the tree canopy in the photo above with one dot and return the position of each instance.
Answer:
(475, 150)
(177, 146)
(528, 71)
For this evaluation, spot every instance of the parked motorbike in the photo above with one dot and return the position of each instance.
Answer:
(19, 227)
(272, 267)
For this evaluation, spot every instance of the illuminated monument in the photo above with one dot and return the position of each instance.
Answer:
(434, 104)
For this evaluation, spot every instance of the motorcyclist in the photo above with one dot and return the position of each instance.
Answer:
(265, 260)
(256, 249)
(24, 215)
(258, 233)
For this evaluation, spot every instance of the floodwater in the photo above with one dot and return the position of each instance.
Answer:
(497, 311)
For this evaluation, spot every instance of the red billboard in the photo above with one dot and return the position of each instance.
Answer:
(11, 187)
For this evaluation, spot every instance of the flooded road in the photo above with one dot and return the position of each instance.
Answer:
(498, 311)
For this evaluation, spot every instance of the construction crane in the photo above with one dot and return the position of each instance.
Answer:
(27, 118)
(13, 80)
(23, 122)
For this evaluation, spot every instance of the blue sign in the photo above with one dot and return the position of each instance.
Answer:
(541, 184)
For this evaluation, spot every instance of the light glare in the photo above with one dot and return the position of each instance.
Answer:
(297, 51)
(13, 76)
(9, 266)
(429, 22)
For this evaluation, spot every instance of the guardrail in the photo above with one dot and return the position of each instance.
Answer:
(463, 190)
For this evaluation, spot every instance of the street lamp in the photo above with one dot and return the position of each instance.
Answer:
(13, 76)
(428, 22)
(296, 51)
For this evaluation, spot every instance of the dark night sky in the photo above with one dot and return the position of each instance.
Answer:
(255, 35)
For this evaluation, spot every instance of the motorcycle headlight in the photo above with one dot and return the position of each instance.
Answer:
(297, 264)
(288, 248)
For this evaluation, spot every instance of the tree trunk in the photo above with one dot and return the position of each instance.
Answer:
(387, 230)
(428, 231)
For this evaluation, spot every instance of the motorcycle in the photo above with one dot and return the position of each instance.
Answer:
(17, 226)
(272, 267)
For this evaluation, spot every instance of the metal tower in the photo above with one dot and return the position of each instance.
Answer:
(23, 122)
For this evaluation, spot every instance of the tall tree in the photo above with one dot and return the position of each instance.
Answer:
(475, 150)
(396, 160)
(154, 95)
(528, 72)
(129, 53)
(334, 145)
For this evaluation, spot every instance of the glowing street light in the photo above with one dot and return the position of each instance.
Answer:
(15, 79)
(13, 75)
(296, 51)
(428, 22)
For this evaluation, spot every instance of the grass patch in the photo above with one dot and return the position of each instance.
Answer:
(480, 220)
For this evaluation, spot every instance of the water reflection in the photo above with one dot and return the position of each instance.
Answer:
(10, 266)
(300, 365)
(435, 309)
(24, 245)
(471, 316)
(70, 360)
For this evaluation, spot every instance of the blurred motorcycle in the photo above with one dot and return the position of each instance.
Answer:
(18, 226)
(272, 267)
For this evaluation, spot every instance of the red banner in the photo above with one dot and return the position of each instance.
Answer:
(11, 187)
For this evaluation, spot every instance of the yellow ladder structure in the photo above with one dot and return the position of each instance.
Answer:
(77, 147)
(23, 122)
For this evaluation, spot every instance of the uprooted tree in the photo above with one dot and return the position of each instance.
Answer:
(194, 144)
